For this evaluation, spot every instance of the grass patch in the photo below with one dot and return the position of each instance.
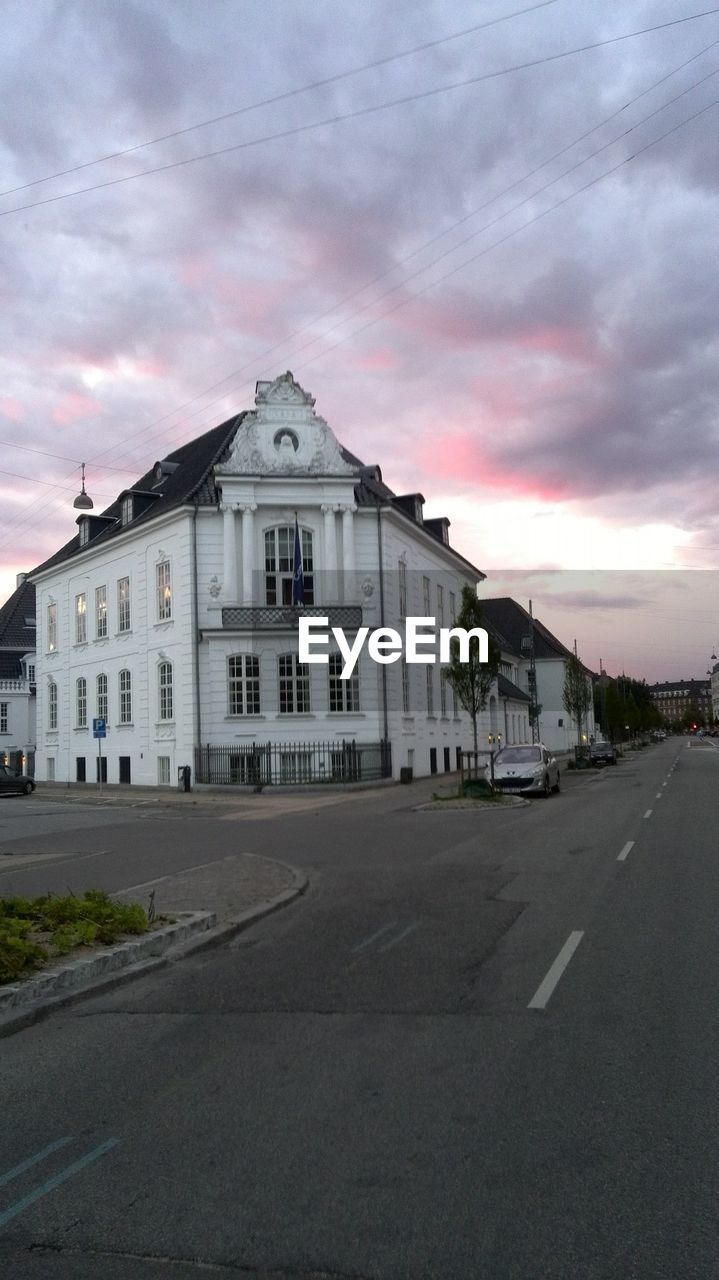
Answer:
(34, 931)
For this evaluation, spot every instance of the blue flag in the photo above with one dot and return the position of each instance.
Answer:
(298, 581)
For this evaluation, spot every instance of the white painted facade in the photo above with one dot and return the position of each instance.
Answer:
(370, 562)
(17, 715)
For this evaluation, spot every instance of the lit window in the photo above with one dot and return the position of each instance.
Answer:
(164, 591)
(123, 604)
(81, 702)
(243, 685)
(52, 705)
(164, 676)
(101, 612)
(344, 694)
(280, 564)
(81, 619)
(294, 679)
(51, 628)
(125, 686)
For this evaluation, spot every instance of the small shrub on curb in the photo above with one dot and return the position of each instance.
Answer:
(33, 931)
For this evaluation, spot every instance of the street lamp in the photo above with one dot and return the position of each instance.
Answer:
(83, 501)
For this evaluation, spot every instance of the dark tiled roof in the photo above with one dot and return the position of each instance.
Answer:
(14, 630)
(507, 689)
(192, 481)
(695, 687)
(513, 622)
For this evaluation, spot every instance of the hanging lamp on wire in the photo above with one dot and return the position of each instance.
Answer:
(83, 501)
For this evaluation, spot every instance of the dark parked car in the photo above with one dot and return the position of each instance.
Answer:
(17, 782)
(603, 753)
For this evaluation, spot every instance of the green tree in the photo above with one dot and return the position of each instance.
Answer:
(577, 692)
(472, 680)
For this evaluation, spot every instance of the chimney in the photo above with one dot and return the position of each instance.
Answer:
(19, 579)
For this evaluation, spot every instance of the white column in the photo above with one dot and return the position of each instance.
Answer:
(348, 552)
(330, 576)
(248, 550)
(229, 572)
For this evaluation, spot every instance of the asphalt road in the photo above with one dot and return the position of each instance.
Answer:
(482, 1045)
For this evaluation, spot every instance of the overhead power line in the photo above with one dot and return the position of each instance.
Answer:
(287, 94)
(359, 112)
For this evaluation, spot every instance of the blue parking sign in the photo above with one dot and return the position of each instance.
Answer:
(98, 727)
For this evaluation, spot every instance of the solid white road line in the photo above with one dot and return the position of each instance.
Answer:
(648, 813)
(544, 991)
(405, 933)
(626, 851)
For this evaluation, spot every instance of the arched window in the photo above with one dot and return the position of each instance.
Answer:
(52, 705)
(101, 692)
(81, 703)
(280, 561)
(164, 682)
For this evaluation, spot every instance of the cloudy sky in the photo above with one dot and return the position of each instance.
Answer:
(487, 248)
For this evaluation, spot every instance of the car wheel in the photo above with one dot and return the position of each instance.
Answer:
(28, 788)
(547, 788)
(558, 785)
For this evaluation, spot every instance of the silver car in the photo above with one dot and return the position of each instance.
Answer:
(526, 768)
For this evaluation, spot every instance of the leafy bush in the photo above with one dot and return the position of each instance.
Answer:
(69, 922)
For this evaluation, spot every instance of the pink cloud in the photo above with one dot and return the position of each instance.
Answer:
(12, 409)
(74, 407)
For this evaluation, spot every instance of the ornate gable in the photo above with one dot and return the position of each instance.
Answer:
(284, 436)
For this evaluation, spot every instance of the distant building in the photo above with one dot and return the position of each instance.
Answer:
(17, 677)
(677, 699)
(715, 690)
(173, 616)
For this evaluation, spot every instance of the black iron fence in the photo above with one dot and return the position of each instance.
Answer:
(293, 763)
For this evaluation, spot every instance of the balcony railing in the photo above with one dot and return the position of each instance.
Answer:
(270, 617)
(15, 686)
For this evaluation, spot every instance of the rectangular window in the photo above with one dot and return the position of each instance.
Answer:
(101, 612)
(426, 597)
(125, 685)
(51, 628)
(81, 619)
(430, 691)
(243, 685)
(163, 771)
(50, 762)
(101, 686)
(81, 703)
(123, 604)
(455, 704)
(126, 510)
(164, 679)
(31, 672)
(344, 694)
(164, 591)
(4, 706)
(440, 606)
(452, 608)
(442, 696)
(52, 705)
(294, 679)
(405, 688)
(84, 532)
(402, 589)
(80, 771)
(295, 766)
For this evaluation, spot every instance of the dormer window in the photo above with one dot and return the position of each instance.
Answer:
(84, 532)
(126, 510)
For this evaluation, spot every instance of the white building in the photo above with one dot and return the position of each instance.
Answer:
(519, 634)
(170, 616)
(17, 678)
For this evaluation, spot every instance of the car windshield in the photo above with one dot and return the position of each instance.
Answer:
(519, 755)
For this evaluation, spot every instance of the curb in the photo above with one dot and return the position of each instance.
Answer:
(199, 932)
